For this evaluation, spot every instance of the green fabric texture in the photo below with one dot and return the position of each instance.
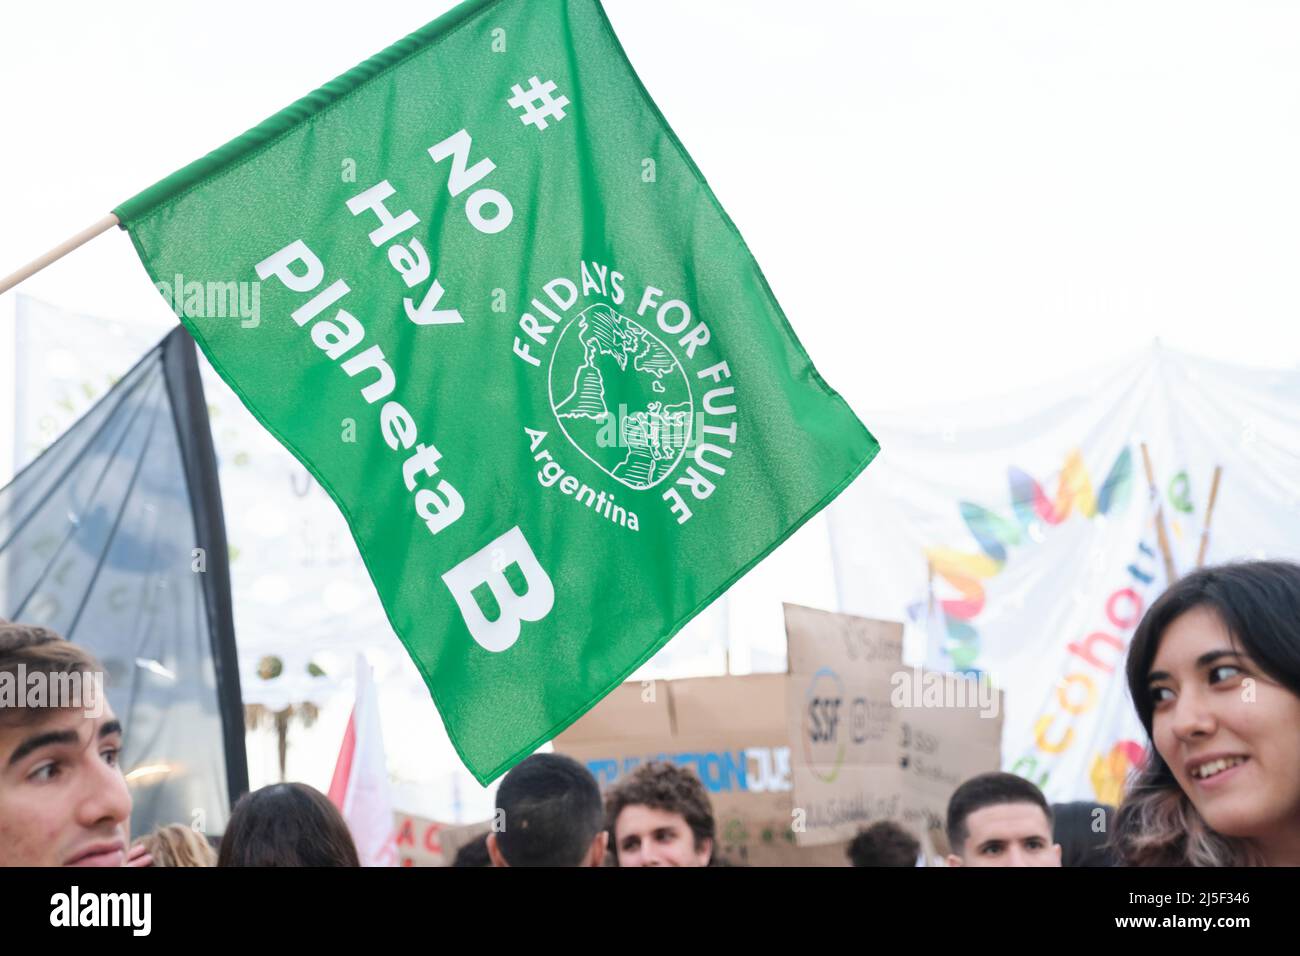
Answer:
(510, 330)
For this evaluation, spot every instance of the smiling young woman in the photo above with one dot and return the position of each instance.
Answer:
(1214, 671)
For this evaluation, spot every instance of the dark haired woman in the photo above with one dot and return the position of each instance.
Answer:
(1214, 670)
(287, 824)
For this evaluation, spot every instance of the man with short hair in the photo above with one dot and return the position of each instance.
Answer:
(660, 815)
(63, 799)
(550, 815)
(884, 843)
(1000, 819)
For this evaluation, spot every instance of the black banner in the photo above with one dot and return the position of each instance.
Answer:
(114, 538)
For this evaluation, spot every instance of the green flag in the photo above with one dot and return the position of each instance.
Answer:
(501, 318)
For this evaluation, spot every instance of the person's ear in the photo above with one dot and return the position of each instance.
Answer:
(598, 848)
(494, 851)
(954, 860)
(1056, 848)
(705, 851)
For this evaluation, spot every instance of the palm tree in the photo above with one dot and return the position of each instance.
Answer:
(260, 716)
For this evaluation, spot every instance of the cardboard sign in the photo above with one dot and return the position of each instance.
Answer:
(841, 724)
(732, 732)
(424, 842)
(845, 642)
(873, 739)
(950, 731)
(418, 840)
(796, 764)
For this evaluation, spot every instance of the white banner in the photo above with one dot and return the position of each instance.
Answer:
(1016, 535)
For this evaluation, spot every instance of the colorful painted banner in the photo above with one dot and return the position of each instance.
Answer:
(1016, 537)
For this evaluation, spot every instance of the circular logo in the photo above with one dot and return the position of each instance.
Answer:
(823, 736)
(621, 397)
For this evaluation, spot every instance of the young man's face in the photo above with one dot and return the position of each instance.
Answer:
(1008, 834)
(648, 837)
(63, 800)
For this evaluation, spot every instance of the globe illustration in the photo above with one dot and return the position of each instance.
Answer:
(621, 397)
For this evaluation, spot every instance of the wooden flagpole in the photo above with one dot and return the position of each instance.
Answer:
(58, 252)
(1209, 514)
(929, 611)
(1171, 575)
(929, 587)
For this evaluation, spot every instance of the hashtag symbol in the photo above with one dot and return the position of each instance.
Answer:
(537, 103)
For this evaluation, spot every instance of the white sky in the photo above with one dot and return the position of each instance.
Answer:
(948, 198)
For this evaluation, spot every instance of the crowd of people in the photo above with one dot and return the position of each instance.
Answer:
(1213, 670)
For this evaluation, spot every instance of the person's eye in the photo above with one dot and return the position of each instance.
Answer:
(1036, 844)
(1223, 672)
(1160, 695)
(112, 755)
(44, 773)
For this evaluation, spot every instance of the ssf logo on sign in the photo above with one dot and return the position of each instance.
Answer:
(823, 743)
